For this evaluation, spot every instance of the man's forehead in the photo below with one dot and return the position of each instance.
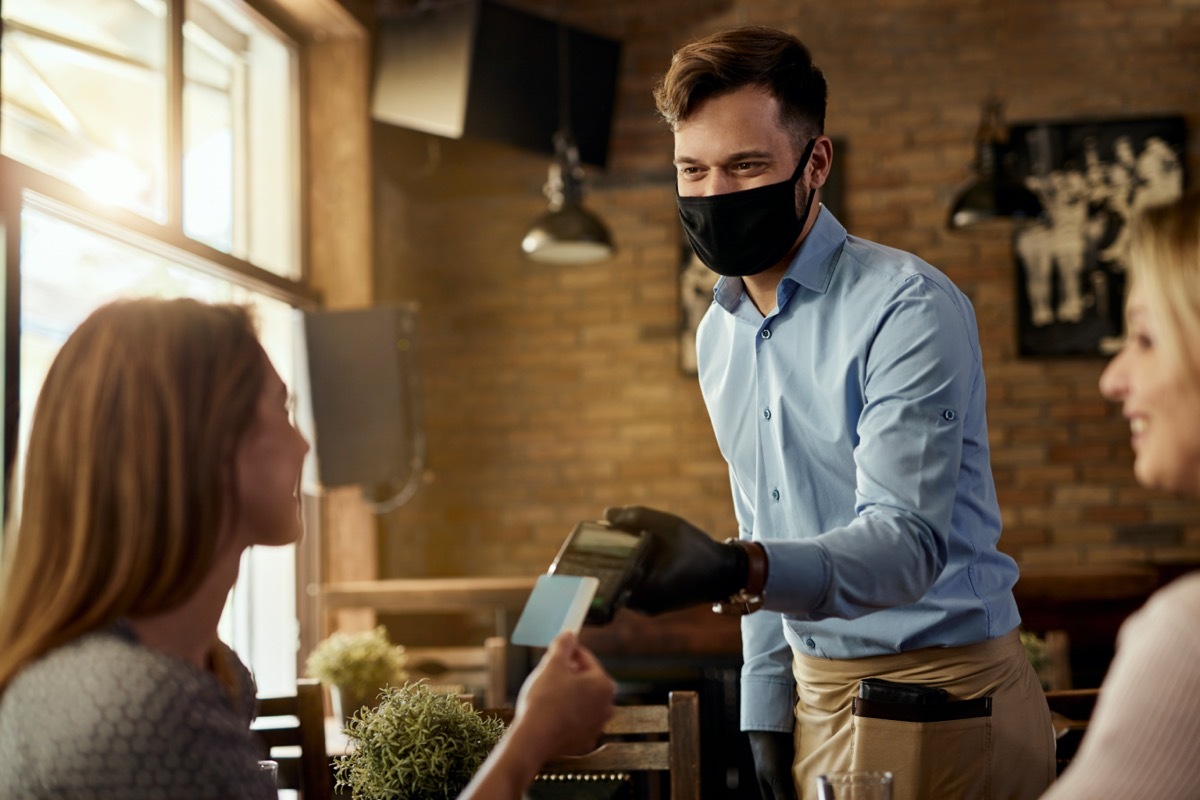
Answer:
(729, 126)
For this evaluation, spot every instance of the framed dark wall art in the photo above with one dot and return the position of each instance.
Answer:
(696, 281)
(1092, 178)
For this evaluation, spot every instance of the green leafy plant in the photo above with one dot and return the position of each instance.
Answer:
(363, 662)
(1035, 650)
(418, 744)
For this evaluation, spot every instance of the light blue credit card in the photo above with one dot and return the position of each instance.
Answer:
(557, 603)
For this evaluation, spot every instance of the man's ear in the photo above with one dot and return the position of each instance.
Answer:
(820, 162)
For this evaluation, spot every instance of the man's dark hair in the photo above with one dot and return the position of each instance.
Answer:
(727, 61)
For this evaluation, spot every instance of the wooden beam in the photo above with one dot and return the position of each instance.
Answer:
(429, 595)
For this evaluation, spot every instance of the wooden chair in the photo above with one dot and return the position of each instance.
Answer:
(480, 672)
(1070, 712)
(292, 730)
(650, 739)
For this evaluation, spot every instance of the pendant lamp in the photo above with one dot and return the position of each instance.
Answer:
(567, 233)
(993, 193)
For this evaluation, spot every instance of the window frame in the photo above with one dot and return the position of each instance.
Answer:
(17, 178)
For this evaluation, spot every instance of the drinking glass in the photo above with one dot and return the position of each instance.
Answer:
(855, 785)
(270, 769)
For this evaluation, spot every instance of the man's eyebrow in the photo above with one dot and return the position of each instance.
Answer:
(745, 155)
(741, 155)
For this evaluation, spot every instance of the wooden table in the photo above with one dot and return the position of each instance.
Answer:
(1090, 582)
(1089, 601)
(433, 596)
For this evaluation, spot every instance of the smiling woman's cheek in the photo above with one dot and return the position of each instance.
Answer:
(1165, 427)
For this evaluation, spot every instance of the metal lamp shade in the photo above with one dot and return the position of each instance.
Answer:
(568, 235)
(987, 199)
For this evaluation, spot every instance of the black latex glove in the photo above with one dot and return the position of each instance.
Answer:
(683, 566)
(773, 756)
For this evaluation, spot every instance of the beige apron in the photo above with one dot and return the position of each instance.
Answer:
(1008, 755)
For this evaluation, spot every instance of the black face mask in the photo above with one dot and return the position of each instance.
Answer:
(743, 233)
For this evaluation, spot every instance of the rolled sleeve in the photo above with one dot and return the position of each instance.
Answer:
(768, 688)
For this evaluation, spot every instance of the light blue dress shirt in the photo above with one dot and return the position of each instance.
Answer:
(853, 421)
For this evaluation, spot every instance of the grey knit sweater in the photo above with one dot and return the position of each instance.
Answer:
(105, 717)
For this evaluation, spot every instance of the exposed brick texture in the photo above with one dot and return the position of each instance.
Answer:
(551, 392)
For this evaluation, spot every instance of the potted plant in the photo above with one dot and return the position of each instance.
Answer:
(417, 744)
(355, 666)
(1037, 653)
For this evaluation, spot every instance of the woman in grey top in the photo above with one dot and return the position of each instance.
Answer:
(105, 716)
(161, 448)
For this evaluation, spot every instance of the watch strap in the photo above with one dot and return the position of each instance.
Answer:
(750, 598)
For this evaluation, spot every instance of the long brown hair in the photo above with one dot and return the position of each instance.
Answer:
(752, 56)
(129, 470)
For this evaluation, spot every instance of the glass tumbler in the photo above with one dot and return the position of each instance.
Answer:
(270, 769)
(855, 785)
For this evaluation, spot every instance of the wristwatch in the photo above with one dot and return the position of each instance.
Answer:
(750, 598)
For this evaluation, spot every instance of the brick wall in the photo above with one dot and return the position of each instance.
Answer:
(551, 392)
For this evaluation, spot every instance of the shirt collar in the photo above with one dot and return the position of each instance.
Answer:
(812, 266)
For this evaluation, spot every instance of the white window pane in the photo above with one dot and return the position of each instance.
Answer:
(208, 174)
(241, 146)
(131, 29)
(84, 97)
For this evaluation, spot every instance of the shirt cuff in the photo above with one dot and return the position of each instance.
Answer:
(797, 576)
(768, 706)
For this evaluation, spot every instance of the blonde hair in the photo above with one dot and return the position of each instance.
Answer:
(1165, 266)
(129, 470)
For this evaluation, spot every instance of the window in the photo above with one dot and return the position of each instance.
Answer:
(85, 96)
(89, 98)
(239, 122)
(153, 144)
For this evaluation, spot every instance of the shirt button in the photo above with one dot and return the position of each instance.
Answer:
(774, 494)
(948, 415)
(766, 413)
(811, 644)
(766, 333)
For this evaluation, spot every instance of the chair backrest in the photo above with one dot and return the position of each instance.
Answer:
(655, 738)
(1074, 705)
(292, 730)
(1070, 712)
(481, 672)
